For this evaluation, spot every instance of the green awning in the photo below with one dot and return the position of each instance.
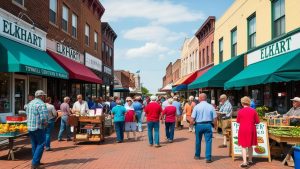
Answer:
(121, 90)
(283, 68)
(16, 57)
(219, 74)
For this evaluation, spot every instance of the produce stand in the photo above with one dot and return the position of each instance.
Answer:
(11, 149)
(13, 129)
(88, 128)
(285, 135)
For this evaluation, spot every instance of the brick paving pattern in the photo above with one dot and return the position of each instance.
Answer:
(131, 155)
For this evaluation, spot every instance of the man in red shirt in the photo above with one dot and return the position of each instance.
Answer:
(153, 113)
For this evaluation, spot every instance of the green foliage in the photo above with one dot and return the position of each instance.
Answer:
(145, 91)
(262, 110)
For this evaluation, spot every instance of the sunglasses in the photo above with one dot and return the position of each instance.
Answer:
(128, 100)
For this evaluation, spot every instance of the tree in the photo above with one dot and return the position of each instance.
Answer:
(145, 91)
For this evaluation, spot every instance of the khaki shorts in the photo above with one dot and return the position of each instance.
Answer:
(225, 125)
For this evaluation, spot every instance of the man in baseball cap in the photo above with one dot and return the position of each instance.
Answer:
(294, 112)
(37, 118)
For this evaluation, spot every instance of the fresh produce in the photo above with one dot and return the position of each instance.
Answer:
(8, 128)
(284, 131)
(259, 150)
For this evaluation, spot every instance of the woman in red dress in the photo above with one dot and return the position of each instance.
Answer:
(247, 137)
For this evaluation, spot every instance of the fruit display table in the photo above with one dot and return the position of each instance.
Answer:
(11, 131)
(11, 140)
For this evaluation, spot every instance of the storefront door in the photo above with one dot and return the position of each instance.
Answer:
(34, 85)
(19, 92)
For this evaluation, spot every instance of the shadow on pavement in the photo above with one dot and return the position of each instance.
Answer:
(69, 161)
(63, 148)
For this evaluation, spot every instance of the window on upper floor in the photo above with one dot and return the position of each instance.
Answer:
(252, 31)
(233, 42)
(278, 14)
(20, 3)
(74, 25)
(65, 18)
(207, 55)
(52, 11)
(203, 57)
(87, 34)
(221, 50)
(212, 51)
(95, 40)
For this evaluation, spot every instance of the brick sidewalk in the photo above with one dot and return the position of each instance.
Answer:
(131, 155)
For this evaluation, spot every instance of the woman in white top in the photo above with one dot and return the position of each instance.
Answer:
(52, 114)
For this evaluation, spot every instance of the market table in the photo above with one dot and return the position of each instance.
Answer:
(284, 139)
(11, 139)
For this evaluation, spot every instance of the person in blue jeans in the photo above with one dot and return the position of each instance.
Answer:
(153, 113)
(52, 114)
(37, 118)
(118, 113)
(203, 116)
(169, 114)
(65, 108)
(138, 109)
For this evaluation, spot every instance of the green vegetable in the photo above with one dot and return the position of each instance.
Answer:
(288, 132)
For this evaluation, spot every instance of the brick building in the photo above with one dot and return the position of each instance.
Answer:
(108, 38)
(124, 80)
(205, 35)
(176, 67)
(61, 43)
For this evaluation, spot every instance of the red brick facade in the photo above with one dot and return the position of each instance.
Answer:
(205, 35)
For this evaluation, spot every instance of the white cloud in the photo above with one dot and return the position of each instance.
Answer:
(153, 34)
(157, 11)
(150, 49)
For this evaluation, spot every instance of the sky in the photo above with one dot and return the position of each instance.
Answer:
(151, 32)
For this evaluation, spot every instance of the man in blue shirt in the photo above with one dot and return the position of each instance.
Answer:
(177, 104)
(203, 116)
(118, 113)
(138, 109)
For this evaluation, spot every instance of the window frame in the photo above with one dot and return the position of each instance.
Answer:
(62, 18)
(212, 51)
(207, 55)
(76, 28)
(249, 36)
(87, 37)
(221, 52)
(96, 42)
(233, 46)
(19, 5)
(55, 18)
(273, 20)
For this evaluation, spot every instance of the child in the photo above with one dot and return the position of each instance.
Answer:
(130, 124)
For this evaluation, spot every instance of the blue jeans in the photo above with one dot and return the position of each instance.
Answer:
(64, 125)
(139, 115)
(151, 126)
(207, 131)
(37, 139)
(170, 130)
(48, 132)
(119, 127)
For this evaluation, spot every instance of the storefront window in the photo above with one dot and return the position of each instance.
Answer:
(267, 96)
(88, 92)
(94, 90)
(75, 90)
(99, 93)
(280, 97)
(5, 98)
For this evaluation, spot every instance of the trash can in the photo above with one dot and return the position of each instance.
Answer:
(297, 157)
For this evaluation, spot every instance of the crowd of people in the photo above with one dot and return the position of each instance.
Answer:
(128, 115)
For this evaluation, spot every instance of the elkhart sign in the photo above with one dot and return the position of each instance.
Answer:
(93, 62)
(21, 31)
(67, 52)
(277, 48)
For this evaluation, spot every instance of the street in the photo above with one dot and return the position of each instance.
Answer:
(131, 155)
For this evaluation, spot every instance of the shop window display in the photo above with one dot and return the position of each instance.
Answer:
(5, 98)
